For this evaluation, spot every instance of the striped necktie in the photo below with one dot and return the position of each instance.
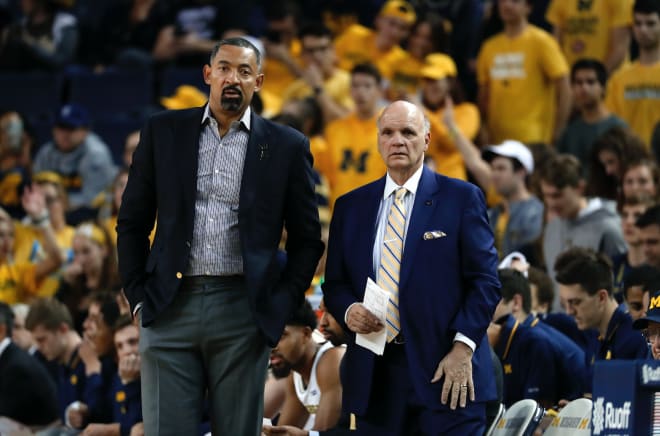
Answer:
(390, 260)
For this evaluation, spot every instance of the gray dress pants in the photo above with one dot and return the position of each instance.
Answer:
(206, 341)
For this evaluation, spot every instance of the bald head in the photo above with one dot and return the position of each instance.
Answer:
(405, 107)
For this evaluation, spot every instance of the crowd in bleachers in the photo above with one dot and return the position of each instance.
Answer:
(551, 107)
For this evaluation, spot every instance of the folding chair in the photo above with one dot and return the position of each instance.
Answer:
(500, 414)
(573, 420)
(521, 419)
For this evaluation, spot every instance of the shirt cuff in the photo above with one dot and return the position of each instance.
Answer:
(137, 307)
(313, 432)
(346, 313)
(460, 337)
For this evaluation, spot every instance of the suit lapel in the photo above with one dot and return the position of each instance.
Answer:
(186, 143)
(256, 159)
(368, 227)
(423, 208)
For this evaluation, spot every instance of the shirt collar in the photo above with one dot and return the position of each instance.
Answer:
(411, 184)
(4, 344)
(245, 119)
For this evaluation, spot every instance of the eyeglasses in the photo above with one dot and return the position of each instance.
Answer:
(651, 335)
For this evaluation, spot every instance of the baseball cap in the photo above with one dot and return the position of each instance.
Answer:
(399, 9)
(438, 66)
(185, 97)
(652, 314)
(507, 262)
(72, 115)
(513, 149)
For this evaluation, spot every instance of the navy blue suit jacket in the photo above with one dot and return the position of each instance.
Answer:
(276, 188)
(447, 285)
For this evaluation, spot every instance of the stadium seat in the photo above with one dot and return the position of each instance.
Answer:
(521, 419)
(499, 415)
(117, 93)
(573, 420)
(37, 96)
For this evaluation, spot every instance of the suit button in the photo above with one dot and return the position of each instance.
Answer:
(179, 275)
(188, 244)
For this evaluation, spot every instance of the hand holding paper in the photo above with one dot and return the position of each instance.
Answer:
(375, 300)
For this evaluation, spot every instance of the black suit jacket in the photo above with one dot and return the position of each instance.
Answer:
(276, 189)
(27, 392)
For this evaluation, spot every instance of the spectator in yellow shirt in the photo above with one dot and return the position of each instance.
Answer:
(352, 140)
(321, 79)
(428, 36)
(282, 60)
(595, 29)
(438, 83)
(524, 92)
(633, 92)
(29, 242)
(359, 44)
(20, 281)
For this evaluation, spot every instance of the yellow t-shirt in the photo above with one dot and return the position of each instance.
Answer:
(28, 248)
(442, 149)
(586, 25)
(337, 86)
(633, 93)
(520, 74)
(353, 149)
(17, 282)
(28, 242)
(277, 77)
(321, 153)
(358, 45)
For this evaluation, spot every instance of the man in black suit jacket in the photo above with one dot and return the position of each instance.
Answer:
(210, 293)
(27, 393)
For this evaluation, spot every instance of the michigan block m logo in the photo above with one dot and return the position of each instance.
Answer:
(359, 164)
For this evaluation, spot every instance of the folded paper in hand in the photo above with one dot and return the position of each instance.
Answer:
(375, 301)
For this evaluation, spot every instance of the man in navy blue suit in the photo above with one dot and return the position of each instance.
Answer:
(210, 292)
(436, 372)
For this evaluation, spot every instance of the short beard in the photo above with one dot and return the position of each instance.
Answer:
(231, 104)
(281, 371)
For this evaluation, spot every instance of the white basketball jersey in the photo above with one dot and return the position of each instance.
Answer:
(310, 396)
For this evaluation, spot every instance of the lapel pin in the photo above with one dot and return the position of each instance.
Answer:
(263, 151)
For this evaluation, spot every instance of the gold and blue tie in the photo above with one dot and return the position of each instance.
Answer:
(390, 261)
